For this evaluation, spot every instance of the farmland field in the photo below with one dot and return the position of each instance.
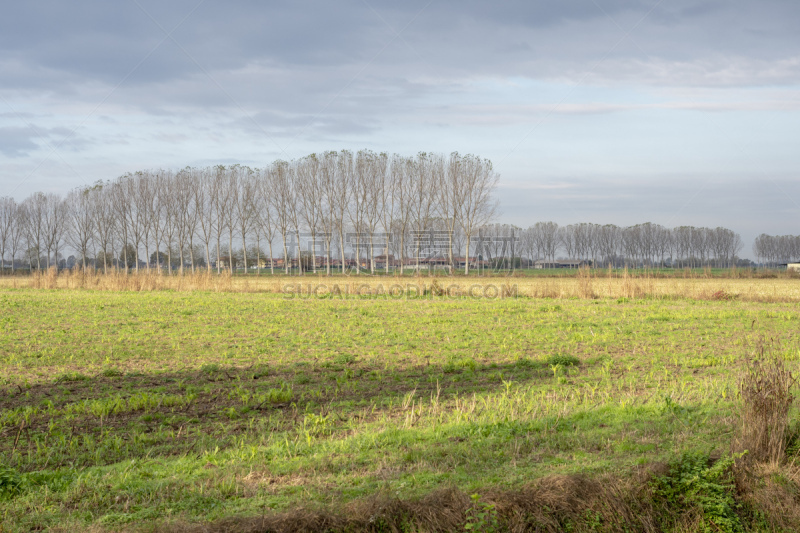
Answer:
(124, 409)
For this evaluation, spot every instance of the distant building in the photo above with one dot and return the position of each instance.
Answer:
(562, 263)
(793, 266)
(382, 260)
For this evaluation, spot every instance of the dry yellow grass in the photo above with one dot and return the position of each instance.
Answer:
(584, 285)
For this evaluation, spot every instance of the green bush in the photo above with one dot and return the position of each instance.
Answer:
(694, 481)
(10, 482)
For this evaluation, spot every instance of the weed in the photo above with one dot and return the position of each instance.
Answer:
(481, 516)
(10, 482)
(525, 363)
(73, 376)
(344, 359)
(261, 371)
(766, 392)
(210, 369)
(694, 481)
(562, 360)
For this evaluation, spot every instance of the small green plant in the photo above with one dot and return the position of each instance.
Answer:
(672, 407)
(344, 359)
(73, 376)
(211, 368)
(469, 364)
(450, 367)
(273, 396)
(524, 362)
(482, 516)
(260, 371)
(550, 309)
(563, 360)
(316, 425)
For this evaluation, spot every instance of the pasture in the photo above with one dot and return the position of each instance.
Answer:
(168, 408)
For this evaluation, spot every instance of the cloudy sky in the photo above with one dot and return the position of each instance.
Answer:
(607, 111)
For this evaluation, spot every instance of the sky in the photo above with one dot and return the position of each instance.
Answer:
(678, 112)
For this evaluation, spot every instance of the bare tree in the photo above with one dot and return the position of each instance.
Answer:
(9, 221)
(123, 209)
(566, 237)
(547, 239)
(373, 182)
(608, 242)
(402, 172)
(446, 179)
(476, 200)
(630, 244)
(202, 192)
(265, 212)
(358, 184)
(34, 213)
(421, 200)
(309, 193)
(329, 202)
(143, 198)
(663, 243)
(185, 220)
(171, 215)
(105, 225)
(282, 194)
(245, 207)
(56, 223)
(82, 220)
(341, 196)
(386, 191)
(158, 223)
(220, 204)
(191, 215)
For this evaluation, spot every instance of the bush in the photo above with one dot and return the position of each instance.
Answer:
(696, 484)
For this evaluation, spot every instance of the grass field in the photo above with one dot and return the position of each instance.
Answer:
(707, 284)
(170, 408)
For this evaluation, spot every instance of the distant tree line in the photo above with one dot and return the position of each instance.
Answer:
(645, 244)
(329, 211)
(776, 249)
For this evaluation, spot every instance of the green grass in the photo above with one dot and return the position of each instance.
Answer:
(133, 408)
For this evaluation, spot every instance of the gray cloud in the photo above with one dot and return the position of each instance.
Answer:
(16, 142)
(21, 141)
(682, 42)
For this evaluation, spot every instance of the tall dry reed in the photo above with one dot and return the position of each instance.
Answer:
(766, 393)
